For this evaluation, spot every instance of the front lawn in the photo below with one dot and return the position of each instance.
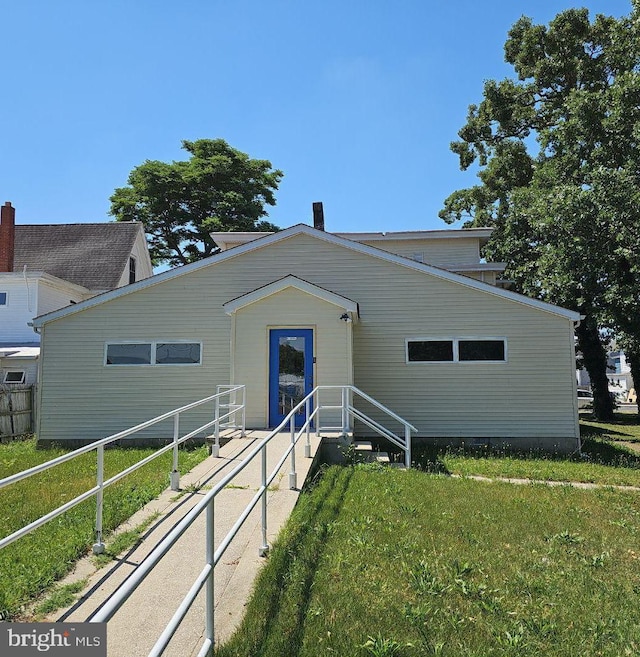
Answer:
(386, 562)
(33, 563)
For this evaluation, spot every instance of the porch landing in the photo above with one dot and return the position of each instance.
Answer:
(136, 626)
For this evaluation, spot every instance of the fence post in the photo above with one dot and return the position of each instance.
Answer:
(307, 445)
(263, 550)
(215, 448)
(209, 592)
(407, 440)
(98, 546)
(293, 478)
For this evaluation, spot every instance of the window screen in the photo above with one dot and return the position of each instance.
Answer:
(430, 350)
(178, 352)
(481, 349)
(129, 354)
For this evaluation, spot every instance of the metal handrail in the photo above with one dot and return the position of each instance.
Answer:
(101, 483)
(205, 578)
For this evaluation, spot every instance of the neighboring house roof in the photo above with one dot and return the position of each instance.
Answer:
(299, 229)
(91, 255)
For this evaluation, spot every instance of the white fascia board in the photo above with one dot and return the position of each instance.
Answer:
(481, 266)
(32, 275)
(303, 229)
(260, 293)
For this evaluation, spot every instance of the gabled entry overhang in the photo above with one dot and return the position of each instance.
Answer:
(347, 306)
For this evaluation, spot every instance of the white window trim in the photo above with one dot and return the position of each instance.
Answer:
(456, 351)
(9, 383)
(154, 344)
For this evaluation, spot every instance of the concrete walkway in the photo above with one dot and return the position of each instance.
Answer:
(136, 626)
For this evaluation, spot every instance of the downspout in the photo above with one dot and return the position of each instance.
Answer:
(576, 324)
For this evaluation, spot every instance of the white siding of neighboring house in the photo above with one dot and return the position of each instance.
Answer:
(27, 365)
(81, 398)
(21, 308)
(290, 308)
(143, 263)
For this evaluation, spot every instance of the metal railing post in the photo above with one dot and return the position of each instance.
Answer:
(317, 404)
(263, 550)
(98, 546)
(215, 448)
(175, 473)
(407, 440)
(209, 591)
(307, 445)
(293, 477)
(345, 412)
(244, 409)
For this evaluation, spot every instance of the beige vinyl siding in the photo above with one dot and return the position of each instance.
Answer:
(530, 395)
(290, 308)
(442, 251)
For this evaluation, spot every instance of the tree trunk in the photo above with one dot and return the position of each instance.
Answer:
(594, 357)
(633, 358)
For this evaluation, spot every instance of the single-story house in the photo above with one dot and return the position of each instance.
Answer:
(284, 312)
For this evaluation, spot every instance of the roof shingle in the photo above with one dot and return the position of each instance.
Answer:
(91, 255)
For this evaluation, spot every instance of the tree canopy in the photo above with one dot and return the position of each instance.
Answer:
(557, 150)
(180, 203)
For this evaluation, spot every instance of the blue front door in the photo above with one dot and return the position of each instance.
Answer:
(290, 372)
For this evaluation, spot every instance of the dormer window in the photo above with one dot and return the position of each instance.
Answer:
(132, 270)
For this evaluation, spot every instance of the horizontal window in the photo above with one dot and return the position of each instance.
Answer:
(153, 353)
(4, 297)
(15, 376)
(481, 349)
(456, 350)
(430, 350)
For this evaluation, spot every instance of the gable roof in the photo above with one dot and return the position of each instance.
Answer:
(91, 255)
(285, 283)
(302, 229)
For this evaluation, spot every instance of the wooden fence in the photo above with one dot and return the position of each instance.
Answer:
(16, 410)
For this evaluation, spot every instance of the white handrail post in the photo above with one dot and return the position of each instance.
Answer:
(345, 412)
(244, 411)
(407, 451)
(263, 550)
(175, 473)
(98, 546)
(209, 592)
(307, 445)
(215, 448)
(293, 478)
(317, 404)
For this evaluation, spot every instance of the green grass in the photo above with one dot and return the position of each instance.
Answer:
(31, 565)
(626, 427)
(384, 562)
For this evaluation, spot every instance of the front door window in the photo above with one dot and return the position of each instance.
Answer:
(291, 372)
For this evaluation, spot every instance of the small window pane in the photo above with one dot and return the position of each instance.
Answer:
(178, 352)
(3, 298)
(481, 349)
(14, 377)
(431, 350)
(129, 354)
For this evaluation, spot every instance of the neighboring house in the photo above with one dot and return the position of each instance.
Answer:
(46, 267)
(284, 312)
(618, 375)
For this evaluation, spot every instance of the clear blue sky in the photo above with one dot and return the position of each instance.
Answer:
(356, 101)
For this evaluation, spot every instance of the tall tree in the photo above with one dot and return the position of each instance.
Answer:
(218, 189)
(558, 157)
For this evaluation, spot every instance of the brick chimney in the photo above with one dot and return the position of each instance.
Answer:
(7, 236)
(318, 216)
